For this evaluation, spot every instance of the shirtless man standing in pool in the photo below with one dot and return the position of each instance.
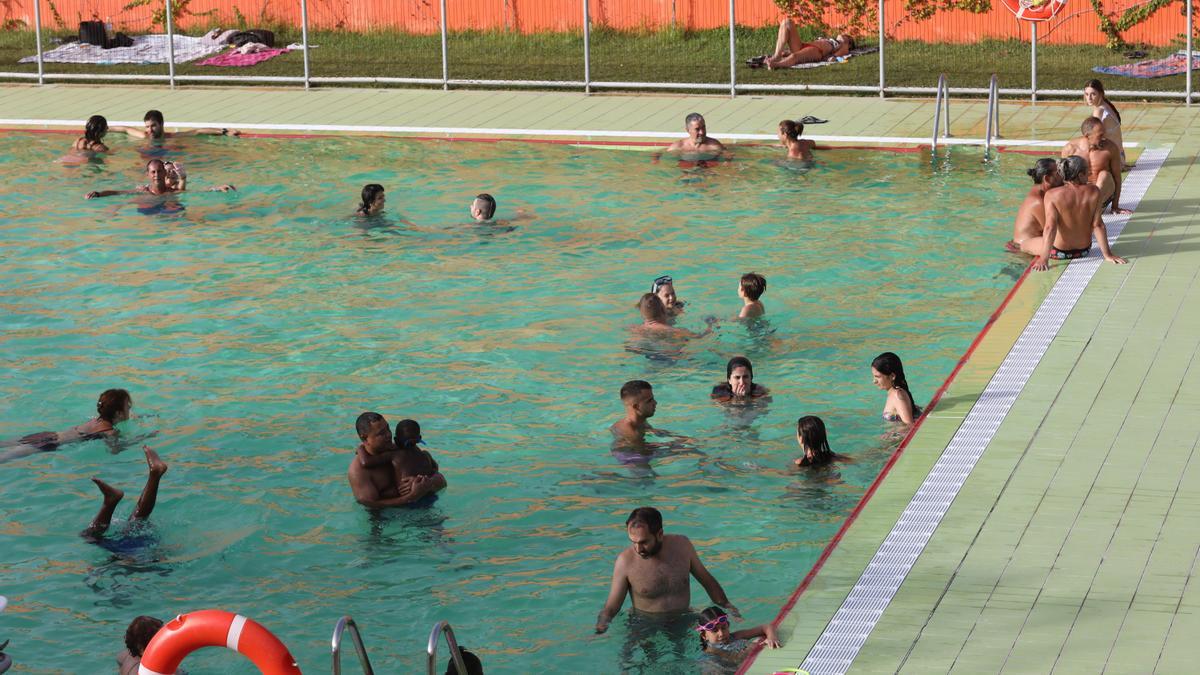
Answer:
(1031, 216)
(1104, 159)
(698, 141)
(376, 486)
(1072, 216)
(654, 570)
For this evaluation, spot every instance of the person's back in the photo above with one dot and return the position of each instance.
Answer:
(412, 462)
(1076, 207)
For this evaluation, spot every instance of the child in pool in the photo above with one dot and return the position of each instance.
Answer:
(407, 460)
(750, 289)
(715, 637)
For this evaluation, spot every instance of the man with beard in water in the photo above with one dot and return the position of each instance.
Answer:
(655, 569)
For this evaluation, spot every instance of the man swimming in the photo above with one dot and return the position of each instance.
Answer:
(654, 571)
(1031, 215)
(1072, 216)
(163, 180)
(155, 129)
(377, 486)
(1104, 161)
(698, 142)
(483, 207)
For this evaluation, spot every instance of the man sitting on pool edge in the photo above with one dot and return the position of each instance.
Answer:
(1072, 216)
(377, 486)
(654, 571)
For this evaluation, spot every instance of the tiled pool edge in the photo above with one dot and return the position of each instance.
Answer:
(851, 624)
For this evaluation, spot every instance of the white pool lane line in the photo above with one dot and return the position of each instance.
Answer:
(848, 630)
(564, 133)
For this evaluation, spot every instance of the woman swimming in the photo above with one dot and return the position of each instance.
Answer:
(112, 408)
(888, 374)
(664, 288)
(739, 386)
(810, 434)
(790, 50)
(372, 200)
(1104, 110)
(715, 637)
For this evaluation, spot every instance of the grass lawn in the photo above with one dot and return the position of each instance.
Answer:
(663, 56)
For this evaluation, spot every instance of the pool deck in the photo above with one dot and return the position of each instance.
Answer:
(1072, 542)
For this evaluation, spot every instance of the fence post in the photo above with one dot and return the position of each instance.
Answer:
(304, 38)
(881, 40)
(587, 49)
(445, 57)
(1033, 61)
(37, 33)
(1187, 67)
(732, 52)
(170, 47)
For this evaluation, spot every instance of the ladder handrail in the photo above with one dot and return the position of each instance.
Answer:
(993, 115)
(942, 102)
(438, 629)
(340, 627)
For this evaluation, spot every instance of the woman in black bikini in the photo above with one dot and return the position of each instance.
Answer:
(791, 50)
(111, 409)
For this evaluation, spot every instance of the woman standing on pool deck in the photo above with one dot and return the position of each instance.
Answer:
(739, 386)
(112, 408)
(1106, 112)
(888, 374)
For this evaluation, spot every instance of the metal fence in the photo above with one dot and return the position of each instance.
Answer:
(587, 58)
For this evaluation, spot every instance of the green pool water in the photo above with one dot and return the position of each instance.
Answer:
(253, 327)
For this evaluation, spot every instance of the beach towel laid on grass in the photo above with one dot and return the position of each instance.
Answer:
(236, 59)
(1174, 64)
(145, 49)
(852, 54)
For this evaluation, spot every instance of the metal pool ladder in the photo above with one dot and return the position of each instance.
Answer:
(993, 116)
(440, 628)
(941, 104)
(340, 627)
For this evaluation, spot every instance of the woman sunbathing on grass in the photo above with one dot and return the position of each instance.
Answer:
(791, 50)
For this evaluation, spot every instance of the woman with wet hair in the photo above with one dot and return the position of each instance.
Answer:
(372, 200)
(887, 372)
(93, 136)
(739, 386)
(810, 434)
(112, 408)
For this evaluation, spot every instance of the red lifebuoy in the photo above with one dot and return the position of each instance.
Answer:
(214, 628)
(1035, 10)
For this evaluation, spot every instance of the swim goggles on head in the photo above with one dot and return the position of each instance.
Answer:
(660, 282)
(713, 625)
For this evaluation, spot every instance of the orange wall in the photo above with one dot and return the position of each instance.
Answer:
(421, 16)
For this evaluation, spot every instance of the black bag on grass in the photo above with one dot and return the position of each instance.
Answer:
(259, 35)
(92, 32)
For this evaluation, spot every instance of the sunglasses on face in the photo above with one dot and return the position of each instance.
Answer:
(713, 625)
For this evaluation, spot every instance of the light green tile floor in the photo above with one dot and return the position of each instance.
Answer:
(1072, 546)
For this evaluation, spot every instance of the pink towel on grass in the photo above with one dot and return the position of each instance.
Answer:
(235, 58)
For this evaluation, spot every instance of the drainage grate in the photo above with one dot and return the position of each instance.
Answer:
(849, 628)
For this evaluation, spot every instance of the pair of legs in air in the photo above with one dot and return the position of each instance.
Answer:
(112, 496)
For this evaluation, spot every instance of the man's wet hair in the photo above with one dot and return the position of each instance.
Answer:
(1089, 125)
(486, 205)
(364, 423)
(139, 633)
(692, 117)
(474, 666)
(792, 129)
(153, 116)
(634, 388)
(111, 402)
(1041, 169)
(753, 285)
(95, 128)
(1072, 167)
(647, 517)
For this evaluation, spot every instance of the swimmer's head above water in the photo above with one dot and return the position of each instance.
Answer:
(713, 627)
(696, 129)
(154, 123)
(372, 199)
(752, 285)
(408, 434)
(790, 130)
(114, 405)
(638, 397)
(664, 288)
(652, 309)
(810, 434)
(483, 207)
(95, 128)
(738, 372)
(374, 432)
(645, 528)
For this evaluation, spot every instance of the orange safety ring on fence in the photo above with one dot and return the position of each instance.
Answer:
(215, 628)
(1035, 10)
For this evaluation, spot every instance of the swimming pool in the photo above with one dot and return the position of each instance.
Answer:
(254, 326)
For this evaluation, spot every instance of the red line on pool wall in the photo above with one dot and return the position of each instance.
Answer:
(837, 537)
